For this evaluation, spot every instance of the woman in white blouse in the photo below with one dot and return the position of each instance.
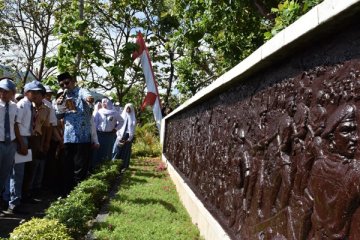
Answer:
(107, 122)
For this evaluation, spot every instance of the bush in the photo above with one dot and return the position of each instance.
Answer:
(74, 212)
(81, 205)
(40, 229)
(108, 171)
(147, 141)
(95, 187)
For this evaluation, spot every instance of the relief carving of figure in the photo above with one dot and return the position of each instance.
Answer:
(255, 188)
(335, 177)
(317, 120)
(281, 178)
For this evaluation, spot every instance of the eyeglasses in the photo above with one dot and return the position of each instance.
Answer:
(64, 83)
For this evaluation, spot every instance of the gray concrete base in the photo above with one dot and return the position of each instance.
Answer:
(209, 228)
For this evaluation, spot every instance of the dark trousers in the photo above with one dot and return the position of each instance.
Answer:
(75, 164)
(33, 168)
(52, 174)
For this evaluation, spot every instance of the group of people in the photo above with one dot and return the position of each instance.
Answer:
(40, 136)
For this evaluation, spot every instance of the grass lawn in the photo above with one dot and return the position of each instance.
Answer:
(147, 206)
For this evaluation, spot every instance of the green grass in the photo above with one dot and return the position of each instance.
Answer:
(147, 206)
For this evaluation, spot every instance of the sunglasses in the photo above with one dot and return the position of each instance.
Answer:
(64, 83)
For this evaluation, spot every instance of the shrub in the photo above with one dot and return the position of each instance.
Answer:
(40, 229)
(74, 212)
(108, 171)
(80, 206)
(147, 141)
(95, 187)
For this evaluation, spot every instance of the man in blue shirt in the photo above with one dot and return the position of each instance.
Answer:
(77, 117)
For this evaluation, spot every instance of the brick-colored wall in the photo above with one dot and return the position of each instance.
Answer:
(272, 156)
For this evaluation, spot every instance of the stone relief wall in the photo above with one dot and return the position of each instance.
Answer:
(277, 155)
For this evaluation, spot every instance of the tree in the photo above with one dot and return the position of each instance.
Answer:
(30, 25)
(214, 36)
(286, 13)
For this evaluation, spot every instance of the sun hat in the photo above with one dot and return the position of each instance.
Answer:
(7, 84)
(48, 89)
(34, 86)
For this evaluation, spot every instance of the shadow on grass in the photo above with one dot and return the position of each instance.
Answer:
(131, 181)
(142, 201)
(149, 174)
(143, 162)
(146, 201)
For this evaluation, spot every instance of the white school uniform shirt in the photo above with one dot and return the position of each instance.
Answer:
(52, 117)
(12, 115)
(24, 117)
(107, 121)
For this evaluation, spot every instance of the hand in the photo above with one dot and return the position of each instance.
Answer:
(95, 145)
(90, 99)
(23, 150)
(46, 147)
(60, 100)
(61, 144)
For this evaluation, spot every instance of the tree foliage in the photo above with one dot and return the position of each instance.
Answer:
(191, 43)
(286, 13)
(214, 36)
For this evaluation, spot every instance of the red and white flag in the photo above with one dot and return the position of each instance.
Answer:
(152, 97)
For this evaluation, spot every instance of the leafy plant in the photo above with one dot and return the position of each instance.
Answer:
(287, 12)
(72, 215)
(147, 141)
(40, 229)
(96, 188)
(74, 212)
(108, 171)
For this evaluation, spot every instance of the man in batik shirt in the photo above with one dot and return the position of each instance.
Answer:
(77, 117)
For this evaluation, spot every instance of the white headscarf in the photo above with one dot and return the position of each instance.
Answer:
(97, 107)
(109, 109)
(129, 122)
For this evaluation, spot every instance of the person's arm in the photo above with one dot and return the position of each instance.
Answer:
(94, 137)
(58, 134)
(119, 122)
(23, 148)
(47, 131)
(131, 132)
(48, 135)
(97, 120)
(86, 96)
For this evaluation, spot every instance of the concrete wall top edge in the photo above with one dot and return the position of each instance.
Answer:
(281, 45)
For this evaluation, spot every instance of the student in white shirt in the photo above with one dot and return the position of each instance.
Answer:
(8, 129)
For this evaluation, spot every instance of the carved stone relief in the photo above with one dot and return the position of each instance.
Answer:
(277, 156)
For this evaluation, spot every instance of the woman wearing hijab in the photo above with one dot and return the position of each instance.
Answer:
(97, 107)
(125, 136)
(107, 122)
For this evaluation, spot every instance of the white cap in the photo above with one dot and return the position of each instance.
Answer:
(60, 91)
(48, 89)
(18, 95)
